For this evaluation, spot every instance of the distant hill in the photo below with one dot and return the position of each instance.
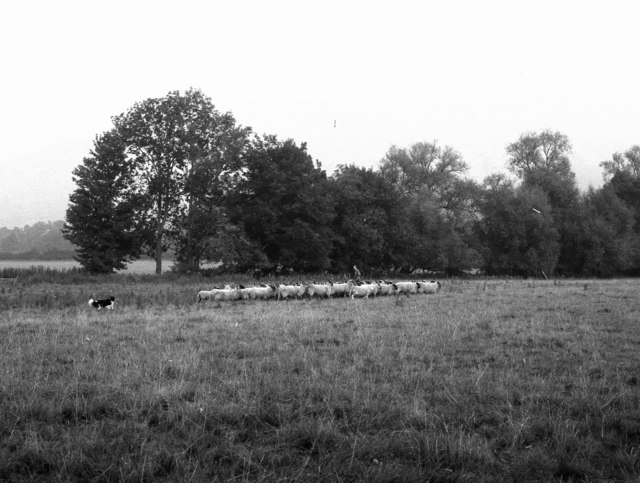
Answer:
(41, 241)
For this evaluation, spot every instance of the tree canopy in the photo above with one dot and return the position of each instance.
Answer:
(282, 202)
(175, 174)
(168, 143)
(106, 217)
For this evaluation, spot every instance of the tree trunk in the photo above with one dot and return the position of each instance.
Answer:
(190, 251)
(159, 253)
(159, 232)
(159, 250)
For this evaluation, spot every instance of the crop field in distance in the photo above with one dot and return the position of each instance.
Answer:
(487, 380)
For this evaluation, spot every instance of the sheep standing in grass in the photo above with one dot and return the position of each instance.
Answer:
(319, 289)
(386, 288)
(284, 291)
(228, 294)
(406, 288)
(361, 290)
(428, 287)
(340, 289)
(245, 292)
(262, 292)
(350, 289)
(220, 294)
(204, 295)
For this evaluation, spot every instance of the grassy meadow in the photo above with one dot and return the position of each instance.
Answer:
(496, 380)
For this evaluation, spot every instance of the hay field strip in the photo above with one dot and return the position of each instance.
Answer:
(486, 380)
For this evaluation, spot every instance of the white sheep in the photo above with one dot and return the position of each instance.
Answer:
(428, 287)
(386, 288)
(228, 294)
(362, 290)
(320, 289)
(262, 292)
(285, 291)
(219, 294)
(245, 292)
(341, 289)
(204, 295)
(406, 287)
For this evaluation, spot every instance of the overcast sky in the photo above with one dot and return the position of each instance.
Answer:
(473, 75)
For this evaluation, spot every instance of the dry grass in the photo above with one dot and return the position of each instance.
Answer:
(497, 380)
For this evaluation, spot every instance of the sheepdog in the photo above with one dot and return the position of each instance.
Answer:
(104, 303)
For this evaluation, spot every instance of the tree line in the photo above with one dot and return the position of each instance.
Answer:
(175, 174)
(41, 241)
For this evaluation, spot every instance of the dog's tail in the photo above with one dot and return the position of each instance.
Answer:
(90, 302)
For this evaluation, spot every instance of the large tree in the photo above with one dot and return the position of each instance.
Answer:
(516, 229)
(422, 166)
(201, 221)
(105, 217)
(628, 163)
(166, 141)
(371, 228)
(608, 245)
(541, 160)
(443, 227)
(282, 203)
(437, 201)
(622, 175)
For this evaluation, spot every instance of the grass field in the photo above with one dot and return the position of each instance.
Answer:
(485, 381)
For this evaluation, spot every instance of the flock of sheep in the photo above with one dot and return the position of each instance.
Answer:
(347, 289)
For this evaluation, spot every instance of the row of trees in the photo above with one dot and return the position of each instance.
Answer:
(176, 174)
(40, 240)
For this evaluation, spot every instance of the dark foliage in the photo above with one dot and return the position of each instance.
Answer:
(284, 204)
(177, 175)
(102, 214)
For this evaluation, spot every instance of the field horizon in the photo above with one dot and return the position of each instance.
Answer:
(487, 380)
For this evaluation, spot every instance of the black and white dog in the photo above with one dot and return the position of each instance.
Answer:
(104, 303)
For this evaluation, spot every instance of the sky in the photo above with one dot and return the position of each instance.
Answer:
(349, 78)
